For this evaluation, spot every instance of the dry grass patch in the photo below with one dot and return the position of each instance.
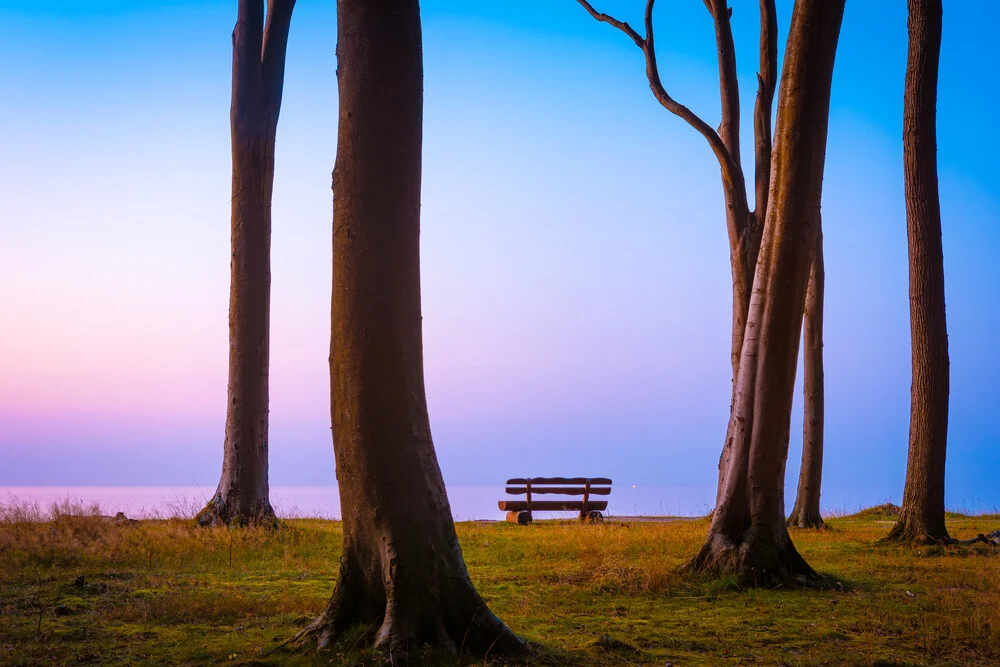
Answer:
(78, 588)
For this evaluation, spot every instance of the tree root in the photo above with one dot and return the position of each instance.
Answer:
(993, 540)
(905, 533)
(459, 624)
(806, 520)
(757, 560)
(218, 513)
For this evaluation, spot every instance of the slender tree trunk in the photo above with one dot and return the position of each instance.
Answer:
(922, 514)
(402, 569)
(748, 535)
(258, 73)
(805, 513)
(743, 260)
(742, 265)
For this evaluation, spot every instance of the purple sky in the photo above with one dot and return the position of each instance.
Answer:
(575, 262)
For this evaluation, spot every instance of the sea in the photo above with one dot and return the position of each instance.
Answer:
(468, 503)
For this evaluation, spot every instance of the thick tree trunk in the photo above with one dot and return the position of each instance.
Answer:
(805, 513)
(258, 72)
(402, 569)
(921, 517)
(748, 535)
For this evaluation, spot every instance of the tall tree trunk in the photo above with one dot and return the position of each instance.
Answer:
(922, 515)
(402, 568)
(748, 535)
(258, 75)
(743, 255)
(805, 513)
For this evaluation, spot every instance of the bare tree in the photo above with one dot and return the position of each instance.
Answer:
(745, 226)
(748, 535)
(258, 77)
(402, 568)
(805, 513)
(922, 515)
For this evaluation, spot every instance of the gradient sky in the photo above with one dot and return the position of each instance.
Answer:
(575, 260)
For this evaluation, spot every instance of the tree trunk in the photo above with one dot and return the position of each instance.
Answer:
(748, 535)
(402, 569)
(743, 260)
(258, 73)
(806, 514)
(921, 517)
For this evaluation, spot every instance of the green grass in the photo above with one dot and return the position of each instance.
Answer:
(169, 593)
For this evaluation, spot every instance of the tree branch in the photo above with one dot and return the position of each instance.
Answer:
(729, 87)
(247, 36)
(731, 174)
(766, 82)
(621, 25)
(273, 50)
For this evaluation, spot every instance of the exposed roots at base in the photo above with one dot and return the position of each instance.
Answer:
(903, 532)
(419, 626)
(218, 513)
(919, 540)
(928, 541)
(757, 560)
(806, 520)
(993, 540)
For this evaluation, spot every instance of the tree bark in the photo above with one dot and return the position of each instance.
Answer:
(921, 516)
(402, 569)
(748, 535)
(744, 253)
(805, 513)
(258, 75)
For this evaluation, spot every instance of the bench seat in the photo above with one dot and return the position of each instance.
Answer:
(552, 505)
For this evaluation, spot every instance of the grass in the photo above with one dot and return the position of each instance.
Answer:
(76, 588)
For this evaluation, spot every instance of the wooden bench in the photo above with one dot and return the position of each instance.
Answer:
(519, 511)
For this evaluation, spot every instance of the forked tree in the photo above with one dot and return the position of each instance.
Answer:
(402, 569)
(805, 513)
(921, 517)
(748, 536)
(745, 226)
(258, 76)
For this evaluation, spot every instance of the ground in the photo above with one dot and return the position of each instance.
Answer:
(82, 589)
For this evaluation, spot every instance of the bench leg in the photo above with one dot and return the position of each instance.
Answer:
(520, 518)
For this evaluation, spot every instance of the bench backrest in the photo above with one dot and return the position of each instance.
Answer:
(564, 486)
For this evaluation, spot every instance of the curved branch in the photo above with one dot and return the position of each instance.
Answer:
(731, 173)
(610, 20)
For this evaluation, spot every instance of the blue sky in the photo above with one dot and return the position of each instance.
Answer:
(575, 262)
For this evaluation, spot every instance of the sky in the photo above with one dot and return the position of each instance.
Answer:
(575, 272)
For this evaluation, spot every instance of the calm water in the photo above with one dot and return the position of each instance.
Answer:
(467, 502)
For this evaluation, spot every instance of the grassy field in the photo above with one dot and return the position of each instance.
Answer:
(79, 589)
